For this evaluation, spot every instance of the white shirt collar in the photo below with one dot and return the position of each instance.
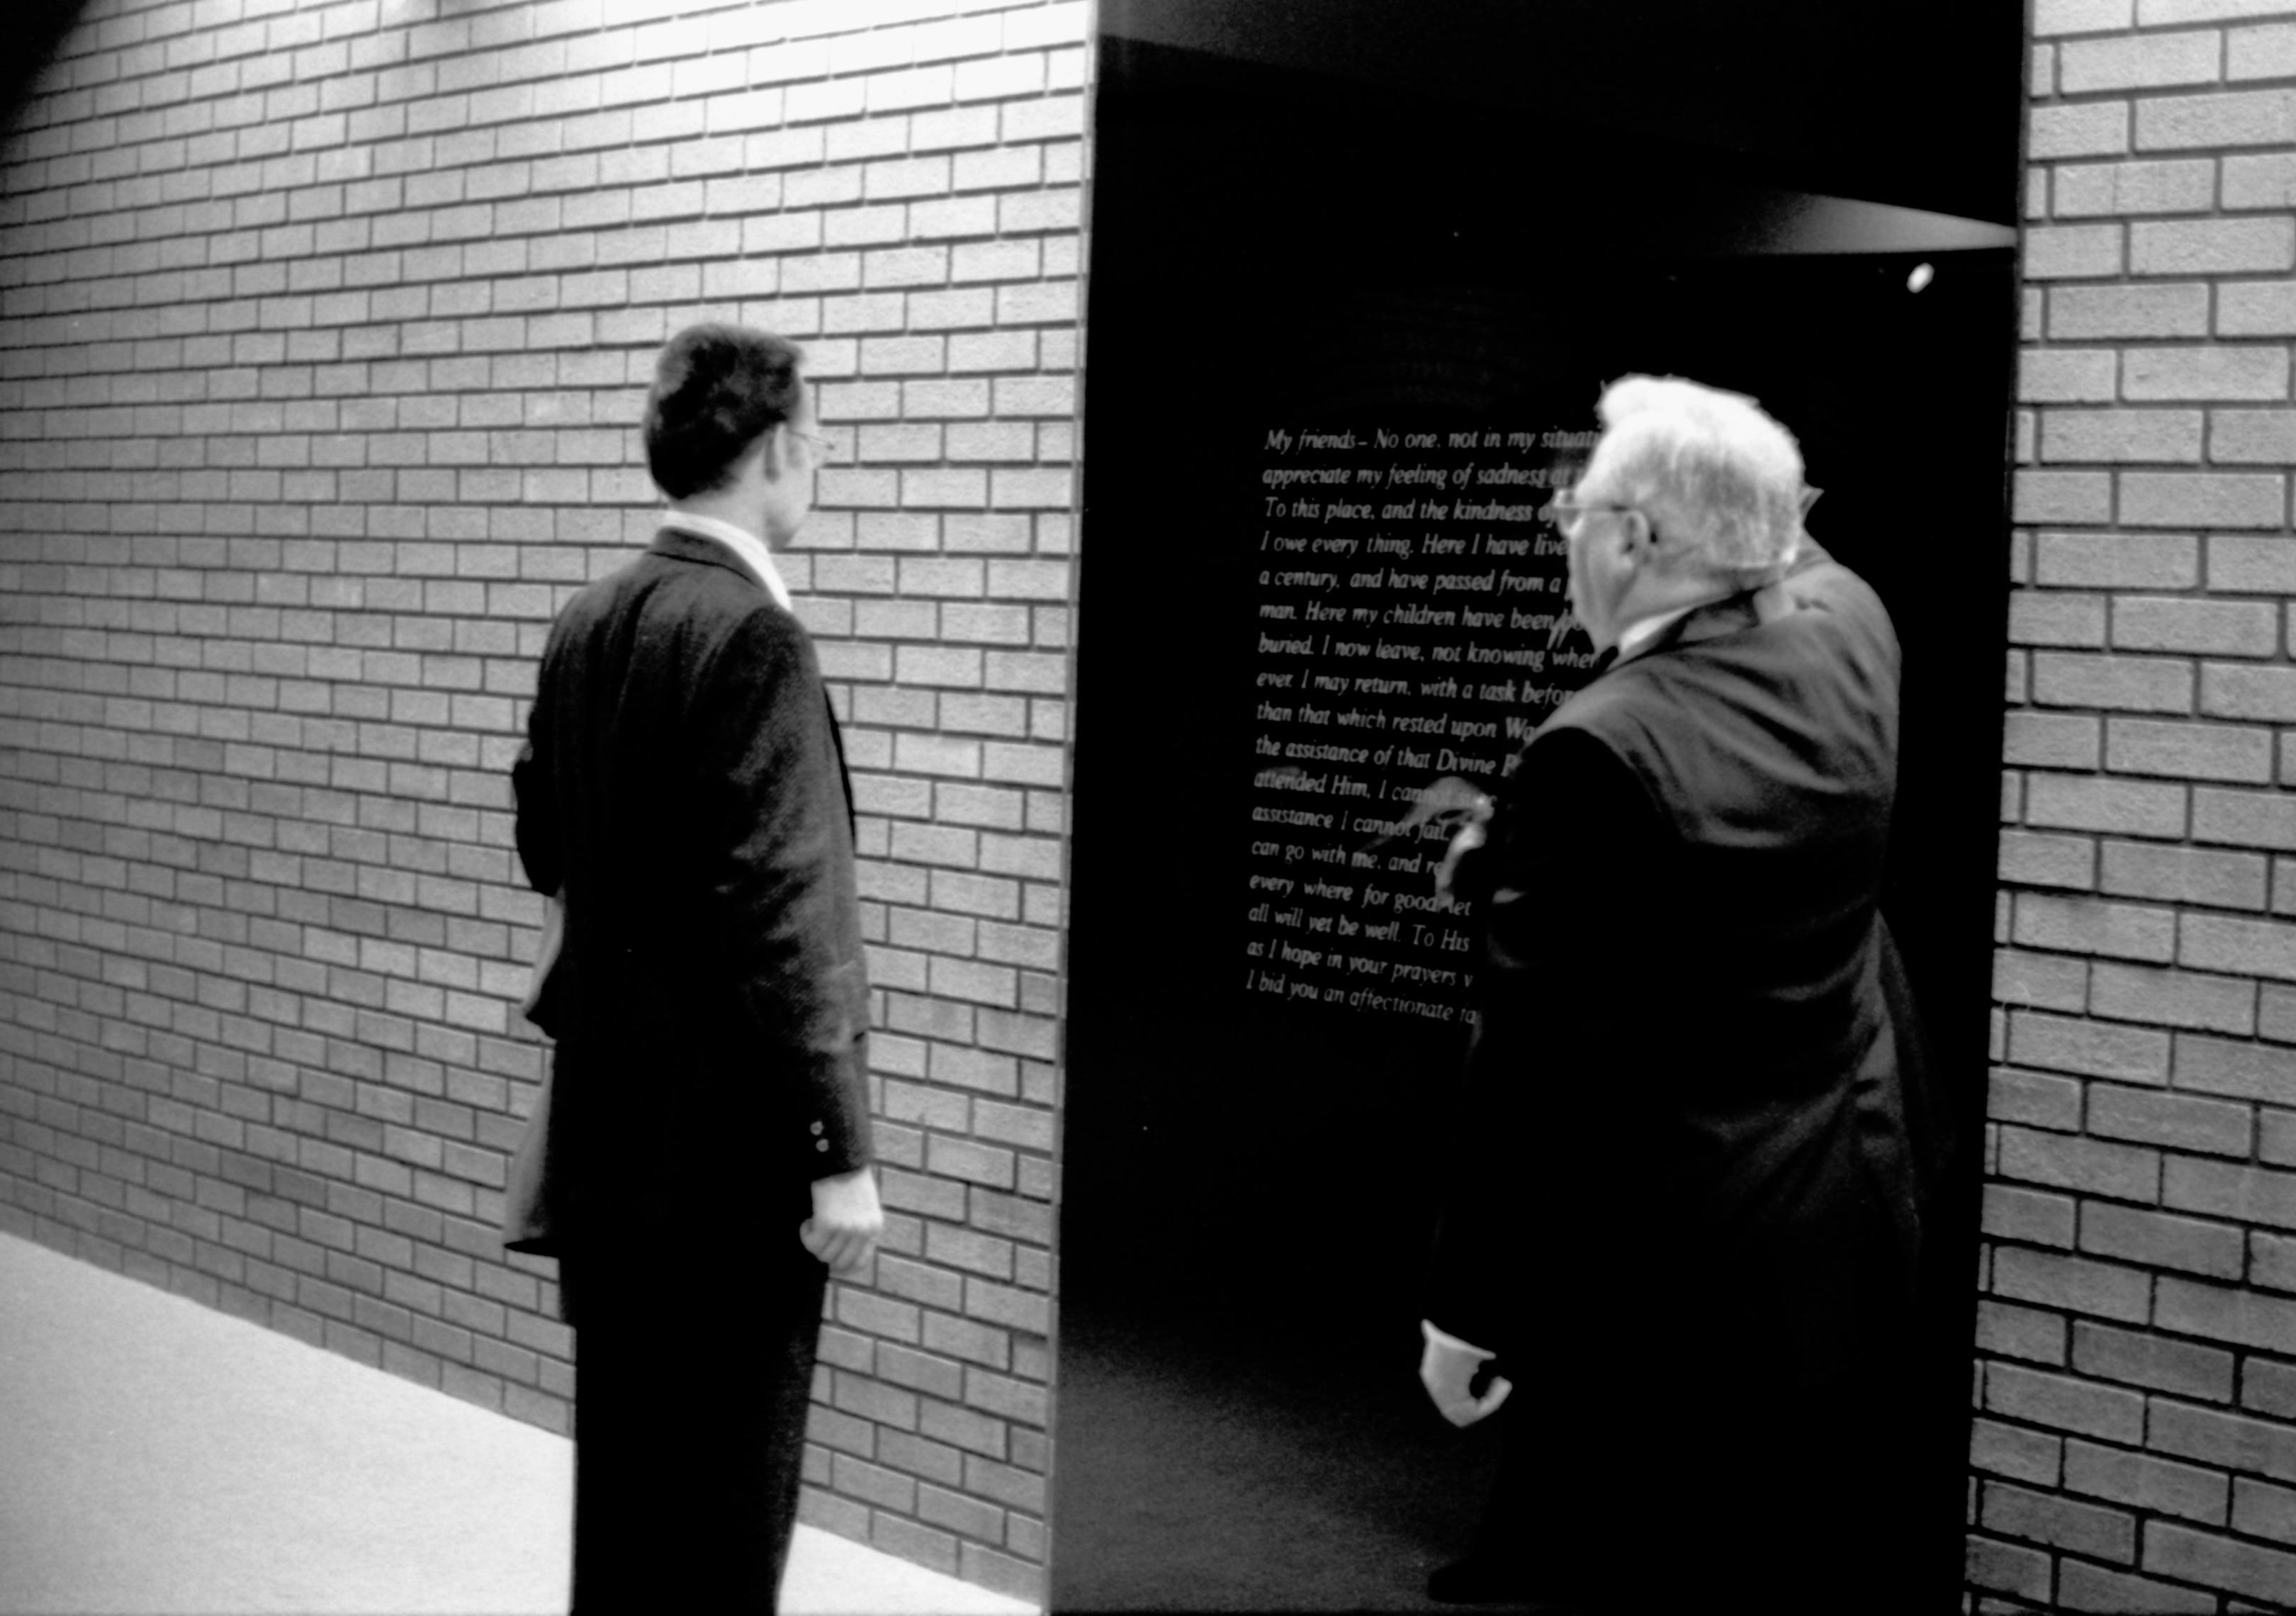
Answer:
(747, 549)
(1634, 636)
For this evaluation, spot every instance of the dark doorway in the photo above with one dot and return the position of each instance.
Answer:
(1249, 1185)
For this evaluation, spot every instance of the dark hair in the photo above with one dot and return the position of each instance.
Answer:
(717, 389)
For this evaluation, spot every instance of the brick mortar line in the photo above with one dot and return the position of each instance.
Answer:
(16, 144)
(454, 49)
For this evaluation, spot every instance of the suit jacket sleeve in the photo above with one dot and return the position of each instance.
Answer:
(781, 874)
(538, 846)
(529, 779)
(1574, 853)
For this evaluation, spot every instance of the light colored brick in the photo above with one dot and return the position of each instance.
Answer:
(2164, 13)
(2075, 251)
(2252, 948)
(2008, 1568)
(2260, 52)
(2231, 690)
(2182, 624)
(2052, 617)
(2264, 819)
(2272, 1266)
(2212, 372)
(2095, 128)
(2263, 1509)
(2182, 1122)
(2065, 1403)
(2257, 180)
(2189, 751)
(2076, 1284)
(2061, 496)
(2085, 1166)
(2173, 186)
(2172, 436)
(2081, 925)
(2043, 980)
(2059, 375)
(2100, 1533)
(2138, 1359)
(2255, 436)
(2116, 561)
(2256, 309)
(2038, 1218)
(2245, 1070)
(2012, 1450)
(2083, 1587)
(2265, 1574)
(1067, 23)
(2053, 741)
(2127, 683)
(2252, 564)
(2247, 1319)
(2088, 313)
(2221, 880)
(2173, 998)
(2220, 499)
(2234, 246)
(2134, 1479)
(2066, 1043)
(2139, 62)
(2055, 17)
(2251, 117)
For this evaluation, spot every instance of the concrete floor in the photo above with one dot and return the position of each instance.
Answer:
(157, 1458)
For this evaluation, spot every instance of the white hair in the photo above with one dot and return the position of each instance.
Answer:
(1720, 480)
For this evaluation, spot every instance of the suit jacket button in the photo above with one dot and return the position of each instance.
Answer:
(816, 1129)
(821, 1144)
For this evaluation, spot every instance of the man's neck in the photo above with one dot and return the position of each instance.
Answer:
(1637, 635)
(745, 546)
(721, 511)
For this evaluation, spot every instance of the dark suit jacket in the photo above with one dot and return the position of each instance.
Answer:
(1684, 1100)
(682, 788)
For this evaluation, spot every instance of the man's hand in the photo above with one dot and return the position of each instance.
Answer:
(1470, 836)
(1448, 1369)
(846, 1221)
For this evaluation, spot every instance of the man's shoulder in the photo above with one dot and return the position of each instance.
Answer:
(1822, 582)
(1583, 731)
(717, 601)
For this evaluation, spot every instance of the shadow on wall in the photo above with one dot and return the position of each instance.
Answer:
(39, 26)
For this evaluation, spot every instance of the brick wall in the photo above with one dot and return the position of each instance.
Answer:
(2136, 1439)
(325, 327)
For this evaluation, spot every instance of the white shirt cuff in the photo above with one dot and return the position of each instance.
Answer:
(1438, 1338)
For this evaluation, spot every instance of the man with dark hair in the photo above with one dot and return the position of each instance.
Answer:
(704, 1148)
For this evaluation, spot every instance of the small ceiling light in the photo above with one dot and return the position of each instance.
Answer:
(1923, 276)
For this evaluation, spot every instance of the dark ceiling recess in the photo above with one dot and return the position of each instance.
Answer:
(35, 29)
(1908, 105)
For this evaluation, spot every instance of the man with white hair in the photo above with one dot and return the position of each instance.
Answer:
(1685, 1218)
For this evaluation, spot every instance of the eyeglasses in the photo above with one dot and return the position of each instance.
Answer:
(824, 448)
(1565, 512)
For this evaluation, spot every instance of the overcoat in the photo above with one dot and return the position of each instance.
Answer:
(1689, 1193)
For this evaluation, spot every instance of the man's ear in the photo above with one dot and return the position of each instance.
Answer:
(773, 452)
(1637, 540)
(763, 451)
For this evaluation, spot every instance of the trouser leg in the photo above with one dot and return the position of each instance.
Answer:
(693, 1374)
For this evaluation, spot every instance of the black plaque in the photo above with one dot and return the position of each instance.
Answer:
(1411, 626)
